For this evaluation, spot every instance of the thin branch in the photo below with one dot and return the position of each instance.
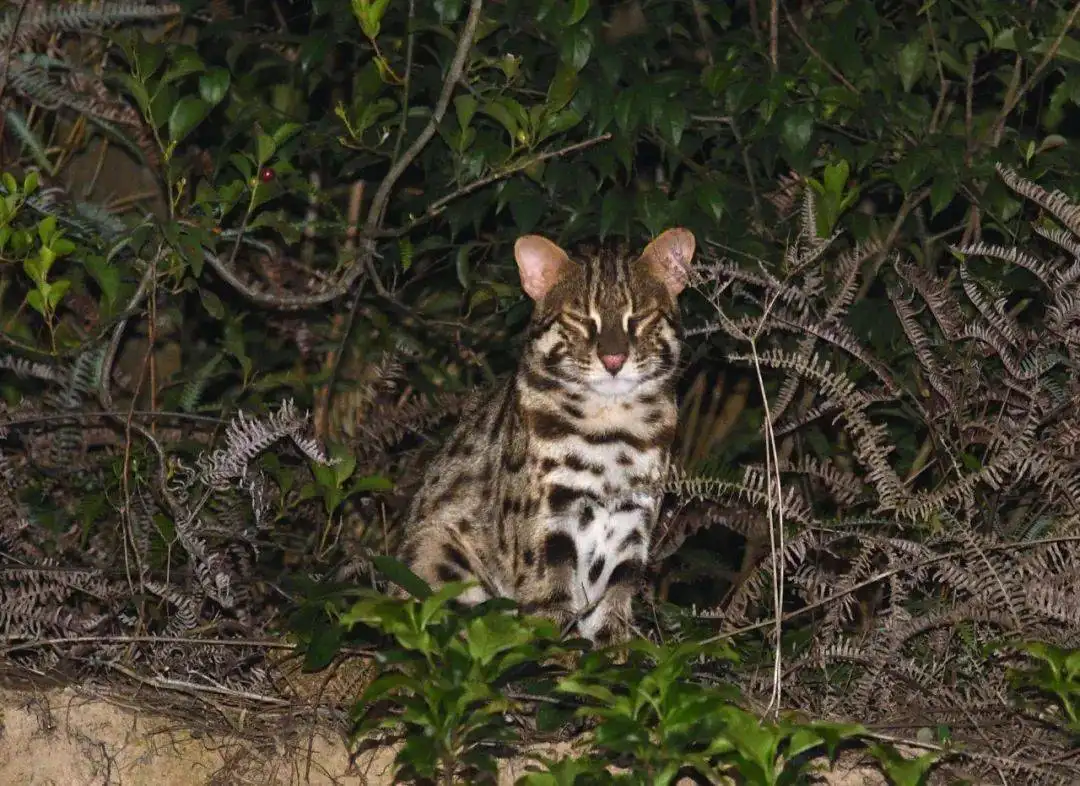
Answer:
(774, 34)
(453, 76)
(105, 385)
(817, 55)
(437, 206)
(1014, 96)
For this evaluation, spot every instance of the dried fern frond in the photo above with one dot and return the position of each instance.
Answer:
(39, 18)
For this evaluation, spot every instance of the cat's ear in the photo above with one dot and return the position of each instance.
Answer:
(668, 258)
(541, 264)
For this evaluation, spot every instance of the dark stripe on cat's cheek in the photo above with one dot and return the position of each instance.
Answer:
(539, 382)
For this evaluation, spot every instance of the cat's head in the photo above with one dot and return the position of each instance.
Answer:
(608, 322)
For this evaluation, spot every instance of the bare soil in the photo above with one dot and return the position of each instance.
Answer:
(69, 737)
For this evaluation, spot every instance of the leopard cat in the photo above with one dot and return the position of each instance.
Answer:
(544, 494)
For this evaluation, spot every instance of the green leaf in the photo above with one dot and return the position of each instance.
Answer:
(710, 198)
(446, 593)
(911, 61)
(214, 85)
(673, 123)
(654, 210)
(504, 112)
(383, 685)
(185, 60)
(369, 14)
(577, 12)
(558, 123)
(186, 114)
(36, 301)
(465, 107)
(835, 180)
(212, 303)
(372, 483)
(284, 132)
(46, 229)
(398, 573)
(576, 47)
(265, 147)
(796, 130)
(901, 771)
(56, 292)
(528, 210)
(147, 58)
(448, 10)
(562, 88)
(942, 191)
(107, 276)
(461, 265)
(613, 211)
(324, 645)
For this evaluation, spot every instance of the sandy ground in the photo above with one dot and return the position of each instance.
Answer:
(65, 738)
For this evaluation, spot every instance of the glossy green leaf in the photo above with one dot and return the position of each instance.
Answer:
(672, 123)
(214, 85)
(576, 47)
(398, 573)
(797, 129)
(448, 10)
(578, 9)
(465, 107)
(323, 647)
(186, 114)
(911, 61)
(185, 60)
(562, 88)
(942, 191)
(265, 147)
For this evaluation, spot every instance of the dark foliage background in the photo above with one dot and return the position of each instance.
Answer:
(219, 207)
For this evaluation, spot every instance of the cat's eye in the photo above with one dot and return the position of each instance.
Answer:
(581, 322)
(632, 324)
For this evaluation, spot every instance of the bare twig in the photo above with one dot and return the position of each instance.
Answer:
(377, 210)
(437, 206)
(9, 49)
(1013, 97)
(774, 34)
(453, 75)
(105, 385)
(817, 55)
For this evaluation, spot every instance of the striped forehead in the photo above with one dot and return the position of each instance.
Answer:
(607, 281)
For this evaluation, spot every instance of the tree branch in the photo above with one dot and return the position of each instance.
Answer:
(437, 206)
(453, 75)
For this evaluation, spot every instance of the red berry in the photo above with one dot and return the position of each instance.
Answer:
(266, 174)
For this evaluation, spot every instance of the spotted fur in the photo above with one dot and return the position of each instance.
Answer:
(542, 493)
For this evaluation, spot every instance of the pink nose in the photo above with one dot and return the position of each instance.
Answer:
(613, 362)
